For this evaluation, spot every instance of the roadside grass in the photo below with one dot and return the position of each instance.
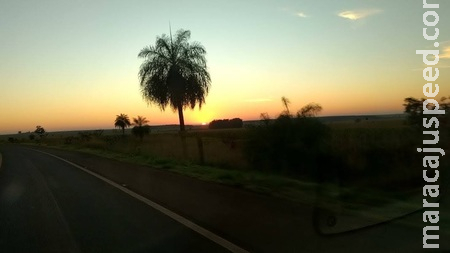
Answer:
(255, 181)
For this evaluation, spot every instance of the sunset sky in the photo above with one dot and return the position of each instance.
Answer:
(73, 64)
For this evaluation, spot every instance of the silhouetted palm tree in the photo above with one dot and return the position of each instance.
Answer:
(174, 73)
(122, 121)
(286, 103)
(140, 121)
(140, 127)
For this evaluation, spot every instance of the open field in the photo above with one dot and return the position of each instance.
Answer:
(374, 153)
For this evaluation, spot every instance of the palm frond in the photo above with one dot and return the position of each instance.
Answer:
(182, 36)
(122, 120)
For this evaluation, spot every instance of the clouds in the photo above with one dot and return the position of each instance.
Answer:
(302, 15)
(354, 15)
(445, 52)
(358, 14)
(297, 13)
(444, 56)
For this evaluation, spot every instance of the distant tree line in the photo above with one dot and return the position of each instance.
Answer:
(226, 123)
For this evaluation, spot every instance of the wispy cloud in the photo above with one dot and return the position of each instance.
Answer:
(358, 14)
(291, 11)
(302, 15)
(445, 52)
(258, 100)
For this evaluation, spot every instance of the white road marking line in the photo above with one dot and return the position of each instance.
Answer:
(202, 231)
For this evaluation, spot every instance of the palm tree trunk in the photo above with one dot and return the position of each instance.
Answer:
(181, 117)
(123, 131)
(182, 130)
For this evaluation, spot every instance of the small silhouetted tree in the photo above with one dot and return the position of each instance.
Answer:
(310, 110)
(265, 118)
(122, 121)
(286, 104)
(40, 131)
(414, 110)
(140, 128)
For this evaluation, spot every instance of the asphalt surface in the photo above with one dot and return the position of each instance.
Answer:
(47, 205)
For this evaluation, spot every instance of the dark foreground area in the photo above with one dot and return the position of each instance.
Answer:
(48, 205)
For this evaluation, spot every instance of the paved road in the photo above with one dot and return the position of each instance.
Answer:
(48, 205)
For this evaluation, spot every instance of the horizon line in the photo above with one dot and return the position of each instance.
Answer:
(200, 124)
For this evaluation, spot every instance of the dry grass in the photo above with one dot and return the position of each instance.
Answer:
(221, 148)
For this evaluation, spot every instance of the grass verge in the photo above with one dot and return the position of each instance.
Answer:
(259, 182)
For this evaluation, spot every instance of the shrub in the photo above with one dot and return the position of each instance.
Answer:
(68, 140)
(40, 131)
(98, 133)
(288, 145)
(141, 131)
(85, 136)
